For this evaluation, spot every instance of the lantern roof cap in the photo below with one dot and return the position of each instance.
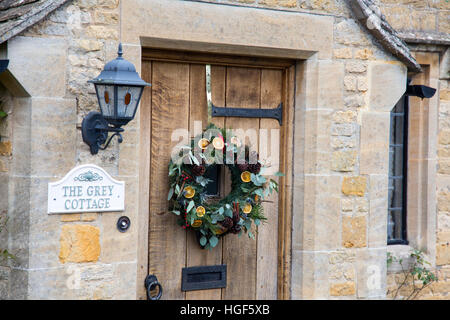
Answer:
(119, 72)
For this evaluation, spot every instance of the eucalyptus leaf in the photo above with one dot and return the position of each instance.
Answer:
(190, 206)
(229, 213)
(176, 212)
(279, 174)
(170, 194)
(255, 180)
(203, 241)
(213, 241)
(259, 192)
(257, 222)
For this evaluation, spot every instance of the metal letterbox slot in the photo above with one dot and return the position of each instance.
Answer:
(204, 277)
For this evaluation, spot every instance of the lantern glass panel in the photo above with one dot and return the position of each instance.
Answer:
(105, 95)
(128, 99)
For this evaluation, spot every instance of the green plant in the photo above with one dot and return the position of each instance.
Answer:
(416, 276)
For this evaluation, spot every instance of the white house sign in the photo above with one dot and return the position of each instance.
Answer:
(86, 188)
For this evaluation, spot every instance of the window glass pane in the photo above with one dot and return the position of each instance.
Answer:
(127, 100)
(105, 96)
(396, 194)
(396, 188)
(395, 225)
(398, 130)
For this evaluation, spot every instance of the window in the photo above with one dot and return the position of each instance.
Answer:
(398, 153)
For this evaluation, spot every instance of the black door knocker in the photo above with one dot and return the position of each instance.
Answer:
(152, 284)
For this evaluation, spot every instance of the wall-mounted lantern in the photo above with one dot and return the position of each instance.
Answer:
(119, 90)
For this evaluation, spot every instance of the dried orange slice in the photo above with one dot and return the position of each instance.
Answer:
(248, 208)
(218, 143)
(197, 223)
(200, 211)
(203, 143)
(220, 231)
(256, 198)
(246, 176)
(189, 192)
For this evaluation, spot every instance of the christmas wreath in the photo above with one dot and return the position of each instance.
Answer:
(209, 217)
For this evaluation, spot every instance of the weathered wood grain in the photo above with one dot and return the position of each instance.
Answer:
(242, 91)
(267, 240)
(170, 111)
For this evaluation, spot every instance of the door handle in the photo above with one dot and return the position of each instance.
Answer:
(151, 283)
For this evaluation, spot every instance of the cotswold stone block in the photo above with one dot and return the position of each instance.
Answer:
(444, 94)
(362, 84)
(343, 160)
(347, 205)
(443, 254)
(70, 217)
(356, 67)
(444, 22)
(444, 201)
(79, 243)
(330, 84)
(354, 186)
(343, 129)
(348, 32)
(364, 54)
(343, 53)
(89, 4)
(424, 21)
(344, 116)
(350, 83)
(280, 3)
(3, 166)
(5, 148)
(444, 166)
(374, 142)
(385, 91)
(90, 45)
(30, 60)
(342, 289)
(444, 137)
(354, 232)
(102, 32)
(104, 17)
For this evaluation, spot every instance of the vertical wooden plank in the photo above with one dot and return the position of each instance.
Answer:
(198, 112)
(286, 155)
(267, 237)
(242, 91)
(170, 110)
(144, 181)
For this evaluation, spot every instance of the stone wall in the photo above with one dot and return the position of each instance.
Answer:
(418, 19)
(5, 159)
(79, 256)
(343, 180)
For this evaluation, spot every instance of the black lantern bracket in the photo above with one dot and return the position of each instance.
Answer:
(119, 89)
(95, 129)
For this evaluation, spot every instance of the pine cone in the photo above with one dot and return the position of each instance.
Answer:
(235, 229)
(198, 170)
(243, 166)
(227, 223)
(254, 168)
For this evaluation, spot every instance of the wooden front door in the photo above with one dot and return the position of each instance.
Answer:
(255, 268)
